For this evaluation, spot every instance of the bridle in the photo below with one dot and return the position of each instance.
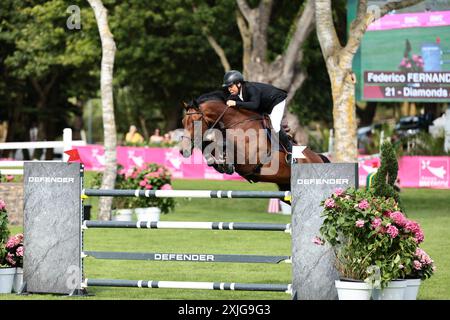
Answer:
(203, 118)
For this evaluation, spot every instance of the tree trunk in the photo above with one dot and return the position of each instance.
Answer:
(344, 119)
(109, 125)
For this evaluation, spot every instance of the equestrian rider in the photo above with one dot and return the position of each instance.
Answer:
(259, 97)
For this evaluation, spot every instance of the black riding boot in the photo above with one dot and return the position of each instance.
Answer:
(287, 143)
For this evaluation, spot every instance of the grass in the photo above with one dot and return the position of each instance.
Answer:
(429, 207)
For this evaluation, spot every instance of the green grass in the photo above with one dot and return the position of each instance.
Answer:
(429, 207)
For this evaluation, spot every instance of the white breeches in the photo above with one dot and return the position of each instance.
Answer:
(277, 115)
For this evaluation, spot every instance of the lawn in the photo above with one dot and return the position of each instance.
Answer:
(430, 207)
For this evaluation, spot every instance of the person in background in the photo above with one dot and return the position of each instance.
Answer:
(167, 138)
(156, 137)
(133, 136)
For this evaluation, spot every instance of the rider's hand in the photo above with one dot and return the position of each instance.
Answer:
(231, 103)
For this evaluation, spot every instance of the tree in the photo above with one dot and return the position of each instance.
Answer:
(106, 87)
(41, 65)
(338, 60)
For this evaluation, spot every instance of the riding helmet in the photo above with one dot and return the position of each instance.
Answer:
(231, 77)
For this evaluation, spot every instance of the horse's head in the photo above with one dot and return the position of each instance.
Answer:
(193, 120)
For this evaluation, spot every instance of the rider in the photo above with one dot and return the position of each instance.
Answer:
(259, 97)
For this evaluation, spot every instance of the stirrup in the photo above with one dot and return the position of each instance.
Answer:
(288, 158)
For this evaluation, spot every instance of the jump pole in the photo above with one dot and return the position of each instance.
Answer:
(53, 225)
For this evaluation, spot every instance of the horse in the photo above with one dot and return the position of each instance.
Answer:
(259, 161)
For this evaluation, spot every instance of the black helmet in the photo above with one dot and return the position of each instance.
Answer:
(231, 77)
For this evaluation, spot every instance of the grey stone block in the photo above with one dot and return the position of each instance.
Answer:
(313, 267)
(52, 227)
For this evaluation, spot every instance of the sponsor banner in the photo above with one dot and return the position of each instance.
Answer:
(428, 172)
(194, 167)
(411, 20)
(414, 171)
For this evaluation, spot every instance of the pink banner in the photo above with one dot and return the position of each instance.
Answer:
(414, 171)
(194, 167)
(427, 172)
(411, 20)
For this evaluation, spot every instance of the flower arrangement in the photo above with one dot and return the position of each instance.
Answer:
(4, 233)
(411, 62)
(150, 177)
(6, 178)
(14, 251)
(369, 230)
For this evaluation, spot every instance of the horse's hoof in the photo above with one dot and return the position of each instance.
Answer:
(229, 169)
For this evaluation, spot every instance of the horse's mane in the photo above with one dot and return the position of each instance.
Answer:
(214, 95)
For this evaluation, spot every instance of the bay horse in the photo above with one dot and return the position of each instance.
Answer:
(261, 162)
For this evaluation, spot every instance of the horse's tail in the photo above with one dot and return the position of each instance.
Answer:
(324, 159)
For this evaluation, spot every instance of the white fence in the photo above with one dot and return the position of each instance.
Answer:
(66, 144)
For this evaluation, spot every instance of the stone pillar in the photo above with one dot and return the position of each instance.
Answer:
(313, 267)
(52, 227)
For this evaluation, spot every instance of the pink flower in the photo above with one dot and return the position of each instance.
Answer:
(399, 218)
(19, 251)
(363, 204)
(338, 192)
(142, 183)
(419, 237)
(419, 252)
(9, 177)
(166, 187)
(2, 204)
(376, 223)
(359, 223)
(329, 203)
(417, 265)
(408, 65)
(11, 243)
(317, 241)
(400, 266)
(412, 226)
(392, 231)
(152, 175)
(148, 186)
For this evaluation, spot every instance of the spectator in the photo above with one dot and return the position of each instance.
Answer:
(156, 137)
(167, 138)
(133, 136)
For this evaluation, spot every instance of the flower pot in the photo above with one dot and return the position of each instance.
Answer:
(285, 208)
(148, 214)
(123, 215)
(394, 291)
(18, 280)
(412, 289)
(353, 290)
(7, 279)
